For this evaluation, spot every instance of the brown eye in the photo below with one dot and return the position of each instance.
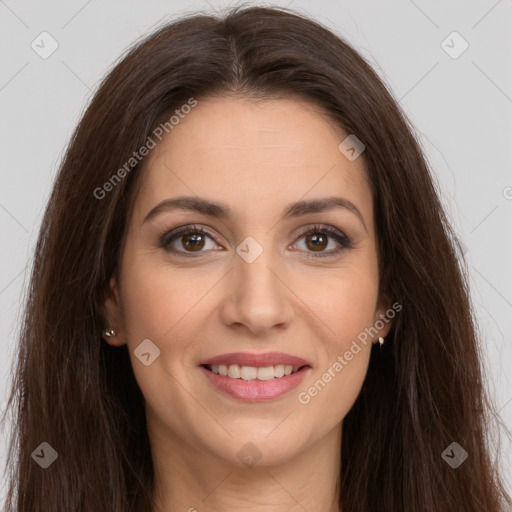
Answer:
(193, 242)
(317, 238)
(317, 242)
(186, 241)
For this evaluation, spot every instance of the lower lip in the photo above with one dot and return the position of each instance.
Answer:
(256, 390)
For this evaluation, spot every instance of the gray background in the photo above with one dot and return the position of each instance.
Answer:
(461, 109)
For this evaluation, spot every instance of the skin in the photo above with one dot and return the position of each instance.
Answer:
(257, 159)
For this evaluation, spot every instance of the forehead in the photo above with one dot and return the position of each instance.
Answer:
(254, 156)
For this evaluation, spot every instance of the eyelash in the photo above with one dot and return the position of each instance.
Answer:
(342, 239)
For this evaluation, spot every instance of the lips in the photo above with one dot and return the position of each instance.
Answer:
(256, 390)
(255, 360)
(255, 377)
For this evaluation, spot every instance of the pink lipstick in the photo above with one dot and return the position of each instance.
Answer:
(255, 377)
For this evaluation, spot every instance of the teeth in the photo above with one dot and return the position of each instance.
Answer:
(266, 373)
(249, 372)
(236, 371)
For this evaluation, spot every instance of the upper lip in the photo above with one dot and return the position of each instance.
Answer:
(256, 360)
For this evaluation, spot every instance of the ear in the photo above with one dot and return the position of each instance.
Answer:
(114, 317)
(384, 314)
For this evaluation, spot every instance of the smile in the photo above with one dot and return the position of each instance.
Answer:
(255, 384)
(235, 371)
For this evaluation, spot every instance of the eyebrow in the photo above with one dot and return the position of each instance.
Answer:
(223, 211)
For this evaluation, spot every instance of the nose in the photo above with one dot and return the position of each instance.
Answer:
(257, 296)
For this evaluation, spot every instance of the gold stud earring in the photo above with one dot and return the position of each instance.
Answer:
(109, 333)
(381, 341)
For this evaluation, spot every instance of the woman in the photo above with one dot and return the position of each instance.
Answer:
(246, 294)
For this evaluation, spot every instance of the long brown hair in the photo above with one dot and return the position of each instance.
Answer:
(424, 389)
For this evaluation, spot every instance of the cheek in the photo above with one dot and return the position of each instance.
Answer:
(344, 299)
(352, 308)
(167, 306)
(149, 305)
(159, 304)
(155, 297)
(347, 310)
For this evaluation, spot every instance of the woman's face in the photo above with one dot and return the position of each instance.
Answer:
(252, 284)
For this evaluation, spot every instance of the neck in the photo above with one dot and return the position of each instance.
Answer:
(193, 480)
